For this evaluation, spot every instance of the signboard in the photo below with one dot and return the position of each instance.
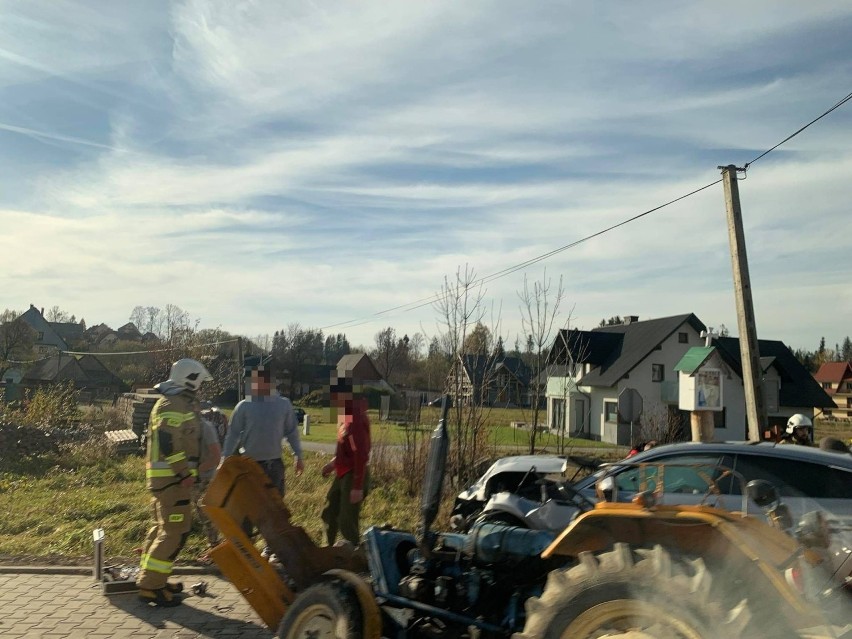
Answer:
(629, 405)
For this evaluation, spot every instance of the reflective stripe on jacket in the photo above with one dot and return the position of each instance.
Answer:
(174, 433)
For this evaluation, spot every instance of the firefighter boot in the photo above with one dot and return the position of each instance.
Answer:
(174, 587)
(161, 597)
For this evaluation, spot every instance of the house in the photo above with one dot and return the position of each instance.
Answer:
(836, 380)
(47, 339)
(645, 356)
(363, 372)
(604, 361)
(489, 380)
(86, 372)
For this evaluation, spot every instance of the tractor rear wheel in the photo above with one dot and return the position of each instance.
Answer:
(642, 594)
(327, 610)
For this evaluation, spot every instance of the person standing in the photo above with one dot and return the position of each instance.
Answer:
(799, 431)
(349, 465)
(174, 447)
(210, 455)
(259, 425)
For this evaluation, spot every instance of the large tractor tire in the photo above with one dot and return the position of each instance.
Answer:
(327, 610)
(642, 594)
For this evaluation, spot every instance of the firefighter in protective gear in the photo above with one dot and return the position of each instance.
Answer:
(799, 429)
(174, 447)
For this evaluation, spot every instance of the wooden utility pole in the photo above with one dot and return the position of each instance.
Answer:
(749, 352)
(240, 369)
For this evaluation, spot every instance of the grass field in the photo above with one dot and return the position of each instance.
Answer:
(51, 506)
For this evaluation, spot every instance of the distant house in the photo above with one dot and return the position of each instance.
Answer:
(644, 355)
(835, 378)
(362, 371)
(87, 373)
(489, 380)
(47, 339)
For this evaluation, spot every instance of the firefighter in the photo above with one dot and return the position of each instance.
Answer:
(799, 431)
(174, 447)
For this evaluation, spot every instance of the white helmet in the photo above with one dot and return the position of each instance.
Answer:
(189, 374)
(799, 421)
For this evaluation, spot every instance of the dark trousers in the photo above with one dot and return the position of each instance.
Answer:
(339, 513)
(274, 469)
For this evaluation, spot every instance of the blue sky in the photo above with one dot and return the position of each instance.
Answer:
(261, 163)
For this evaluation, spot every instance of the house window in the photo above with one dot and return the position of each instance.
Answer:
(683, 338)
(719, 418)
(658, 372)
(611, 412)
(826, 385)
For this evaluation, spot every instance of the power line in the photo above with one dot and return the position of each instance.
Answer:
(425, 301)
(437, 297)
(159, 350)
(790, 137)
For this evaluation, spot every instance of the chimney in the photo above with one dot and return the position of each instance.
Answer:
(629, 319)
(42, 311)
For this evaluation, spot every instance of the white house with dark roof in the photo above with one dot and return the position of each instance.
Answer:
(601, 363)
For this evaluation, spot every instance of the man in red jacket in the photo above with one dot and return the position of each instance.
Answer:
(349, 465)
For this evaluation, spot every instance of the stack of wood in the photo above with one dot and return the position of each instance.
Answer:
(136, 408)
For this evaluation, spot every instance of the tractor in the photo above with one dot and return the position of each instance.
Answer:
(637, 570)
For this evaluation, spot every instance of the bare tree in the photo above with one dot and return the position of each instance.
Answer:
(389, 352)
(16, 339)
(539, 310)
(460, 307)
(56, 314)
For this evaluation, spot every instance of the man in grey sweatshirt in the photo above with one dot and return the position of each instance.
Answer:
(259, 425)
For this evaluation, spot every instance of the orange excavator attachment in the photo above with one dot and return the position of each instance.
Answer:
(241, 498)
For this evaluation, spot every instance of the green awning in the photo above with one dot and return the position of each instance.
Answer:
(694, 358)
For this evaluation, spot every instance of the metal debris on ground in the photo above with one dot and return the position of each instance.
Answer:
(199, 589)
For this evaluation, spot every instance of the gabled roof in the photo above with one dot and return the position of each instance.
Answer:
(54, 368)
(834, 372)
(129, 331)
(479, 367)
(798, 387)
(637, 341)
(348, 363)
(694, 358)
(68, 331)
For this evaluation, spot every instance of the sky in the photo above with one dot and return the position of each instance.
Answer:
(260, 163)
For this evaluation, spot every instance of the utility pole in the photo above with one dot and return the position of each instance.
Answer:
(749, 351)
(240, 369)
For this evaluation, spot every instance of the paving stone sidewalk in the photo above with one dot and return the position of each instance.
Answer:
(74, 606)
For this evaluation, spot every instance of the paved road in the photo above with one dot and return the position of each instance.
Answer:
(74, 607)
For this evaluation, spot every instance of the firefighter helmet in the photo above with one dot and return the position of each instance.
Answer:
(798, 421)
(189, 374)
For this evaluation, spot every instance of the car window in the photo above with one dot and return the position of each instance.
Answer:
(797, 478)
(682, 474)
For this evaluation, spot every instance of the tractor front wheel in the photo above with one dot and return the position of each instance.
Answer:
(327, 610)
(642, 594)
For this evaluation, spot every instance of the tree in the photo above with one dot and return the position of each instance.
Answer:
(612, 321)
(846, 350)
(539, 310)
(17, 339)
(56, 314)
(389, 352)
(460, 307)
(294, 349)
(335, 347)
(478, 341)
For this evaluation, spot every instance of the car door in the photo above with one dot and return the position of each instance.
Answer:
(685, 477)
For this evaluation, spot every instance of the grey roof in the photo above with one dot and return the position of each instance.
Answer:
(479, 367)
(626, 345)
(798, 387)
(68, 331)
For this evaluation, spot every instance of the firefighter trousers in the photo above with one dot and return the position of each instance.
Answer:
(172, 512)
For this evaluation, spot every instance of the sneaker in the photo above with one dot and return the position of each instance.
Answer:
(161, 597)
